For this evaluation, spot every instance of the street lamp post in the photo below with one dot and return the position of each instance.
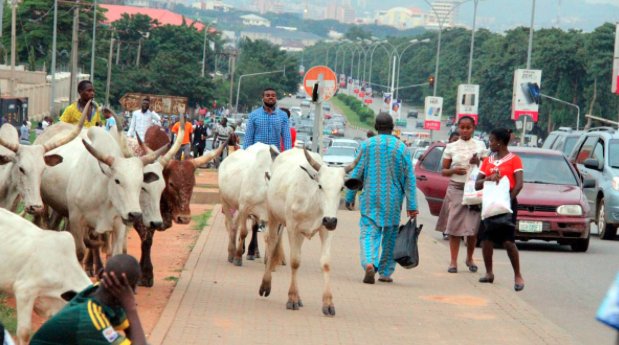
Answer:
(238, 90)
(94, 39)
(468, 80)
(52, 95)
(399, 55)
(529, 52)
(206, 28)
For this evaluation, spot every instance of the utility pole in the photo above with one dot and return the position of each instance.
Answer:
(109, 71)
(74, 51)
(137, 59)
(53, 68)
(232, 66)
(529, 51)
(13, 44)
(94, 39)
(204, 51)
(118, 51)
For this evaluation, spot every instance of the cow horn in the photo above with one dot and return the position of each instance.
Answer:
(152, 156)
(165, 159)
(105, 159)
(72, 135)
(11, 146)
(352, 165)
(197, 162)
(311, 160)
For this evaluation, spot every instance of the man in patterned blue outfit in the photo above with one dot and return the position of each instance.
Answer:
(268, 124)
(387, 174)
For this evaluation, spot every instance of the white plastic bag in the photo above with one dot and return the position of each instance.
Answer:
(472, 196)
(496, 199)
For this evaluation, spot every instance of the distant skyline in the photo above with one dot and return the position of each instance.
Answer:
(496, 15)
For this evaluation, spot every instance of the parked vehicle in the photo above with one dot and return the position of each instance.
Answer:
(345, 143)
(418, 152)
(296, 111)
(326, 107)
(339, 156)
(412, 114)
(552, 205)
(597, 156)
(305, 103)
(564, 139)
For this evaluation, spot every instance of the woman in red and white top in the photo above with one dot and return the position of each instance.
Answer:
(501, 163)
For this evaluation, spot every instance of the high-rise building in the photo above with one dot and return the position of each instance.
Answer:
(342, 11)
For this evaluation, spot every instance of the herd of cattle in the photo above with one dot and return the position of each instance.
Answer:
(98, 184)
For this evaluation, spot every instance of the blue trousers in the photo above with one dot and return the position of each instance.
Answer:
(371, 239)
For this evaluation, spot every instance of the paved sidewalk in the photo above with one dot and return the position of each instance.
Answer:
(218, 303)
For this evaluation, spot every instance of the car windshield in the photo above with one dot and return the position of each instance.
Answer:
(613, 153)
(345, 144)
(547, 169)
(569, 145)
(340, 151)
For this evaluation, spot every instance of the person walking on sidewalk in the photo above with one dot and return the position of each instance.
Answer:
(441, 223)
(268, 124)
(501, 163)
(462, 220)
(387, 173)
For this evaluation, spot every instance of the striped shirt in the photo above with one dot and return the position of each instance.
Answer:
(84, 320)
(387, 173)
(269, 129)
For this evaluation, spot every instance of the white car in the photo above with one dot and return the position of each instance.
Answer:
(339, 156)
(296, 111)
(345, 143)
(305, 103)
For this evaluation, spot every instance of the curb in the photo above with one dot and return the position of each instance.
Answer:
(178, 294)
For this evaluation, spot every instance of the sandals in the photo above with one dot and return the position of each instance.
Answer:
(369, 274)
(473, 268)
(385, 279)
(452, 270)
(486, 279)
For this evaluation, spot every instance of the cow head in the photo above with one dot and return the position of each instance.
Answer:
(124, 180)
(330, 183)
(28, 163)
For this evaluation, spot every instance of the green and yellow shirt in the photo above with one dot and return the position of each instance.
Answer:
(84, 321)
(72, 114)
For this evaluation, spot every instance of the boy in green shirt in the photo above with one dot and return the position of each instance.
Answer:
(97, 314)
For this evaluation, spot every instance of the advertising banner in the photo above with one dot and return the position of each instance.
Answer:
(467, 102)
(526, 93)
(396, 105)
(386, 102)
(167, 105)
(433, 110)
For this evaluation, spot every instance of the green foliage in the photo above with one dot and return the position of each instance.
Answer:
(200, 221)
(357, 113)
(571, 61)
(8, 316)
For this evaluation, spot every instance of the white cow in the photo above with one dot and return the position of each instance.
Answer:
(95, 185)
(243, 189)
(303, 195)
(21, 167)
(38, 267)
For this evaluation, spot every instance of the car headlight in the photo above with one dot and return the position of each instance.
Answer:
(569, 210)
(615, 183)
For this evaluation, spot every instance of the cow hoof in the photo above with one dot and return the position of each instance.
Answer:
(265, 289)
(257, 255)
(238, 262)
(300, 304)
(293, 305)
(329, 310)
(230, 258)
(250, 257)
(146, 282)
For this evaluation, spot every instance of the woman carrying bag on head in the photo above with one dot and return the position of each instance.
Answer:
(501, 163)
(459, 159)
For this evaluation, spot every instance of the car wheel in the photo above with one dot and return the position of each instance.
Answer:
(581, 245)
(607, 231)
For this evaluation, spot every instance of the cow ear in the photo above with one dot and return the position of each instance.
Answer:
(353, 184)
(150, 177)
(313, 177)
(68, 295)
(52, 160)
(4, 159)
(105, 169)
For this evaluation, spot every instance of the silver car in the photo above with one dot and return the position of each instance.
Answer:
(338, 156)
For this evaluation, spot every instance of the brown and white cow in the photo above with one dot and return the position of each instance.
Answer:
(303, 195)
(180, 179)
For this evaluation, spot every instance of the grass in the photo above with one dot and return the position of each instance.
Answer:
(20, 209)
(201, 221)
(7, 315)
(351, 116)
(207, 185)
(171, 279)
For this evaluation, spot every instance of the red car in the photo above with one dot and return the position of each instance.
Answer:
(551, 206)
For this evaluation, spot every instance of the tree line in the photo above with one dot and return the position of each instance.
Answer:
(574, 65)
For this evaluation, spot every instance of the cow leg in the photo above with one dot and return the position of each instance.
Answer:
(78, 235)
(230, 226)
(273, 239)
(24, 302)
(146, 238)
(325, 262)
(253, 250)
(118, 239)
(296, 242)
(241, 222)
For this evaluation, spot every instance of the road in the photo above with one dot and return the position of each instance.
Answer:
(564, 286)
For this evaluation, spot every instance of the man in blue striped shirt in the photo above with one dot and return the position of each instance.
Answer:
(268, 124)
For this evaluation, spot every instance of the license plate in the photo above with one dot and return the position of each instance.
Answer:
(527, 226)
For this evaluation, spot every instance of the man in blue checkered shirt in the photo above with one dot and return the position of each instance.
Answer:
(268, 124)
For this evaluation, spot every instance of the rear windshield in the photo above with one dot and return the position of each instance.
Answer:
(569, 145)
(547, 169)
(613, 153)
(340, 151)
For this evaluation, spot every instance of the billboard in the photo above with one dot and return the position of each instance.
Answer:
(171, 105)
(433, 110)
(615, 85)
(467, 102)
(396, 105)
(526, 93)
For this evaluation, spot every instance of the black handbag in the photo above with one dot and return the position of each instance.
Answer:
(406, 251)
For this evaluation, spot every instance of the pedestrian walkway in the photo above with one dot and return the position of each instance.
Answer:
(218, 303)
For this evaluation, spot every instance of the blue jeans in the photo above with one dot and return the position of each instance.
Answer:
(371, 239)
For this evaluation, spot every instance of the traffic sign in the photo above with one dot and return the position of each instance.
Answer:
(329, 81)
(526, 93)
